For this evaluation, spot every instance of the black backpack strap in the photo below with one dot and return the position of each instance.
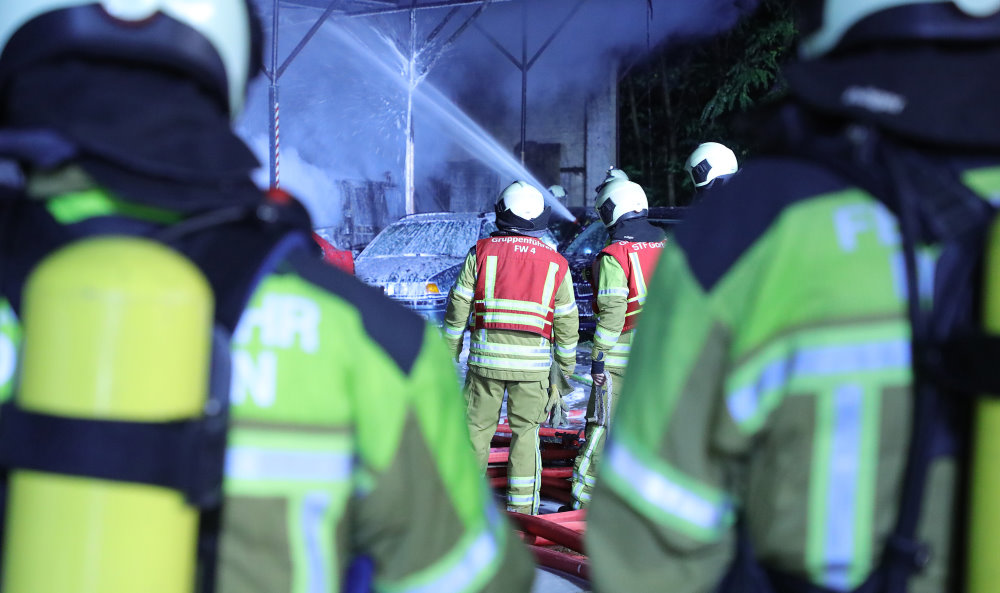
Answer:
(927, 192)
(235, 250)
(932, 205)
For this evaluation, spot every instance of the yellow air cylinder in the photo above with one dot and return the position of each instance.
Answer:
(115, 328)
(984, 510)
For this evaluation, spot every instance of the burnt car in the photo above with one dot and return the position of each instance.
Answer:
(416, 260)
(565, 229)
(582, 250)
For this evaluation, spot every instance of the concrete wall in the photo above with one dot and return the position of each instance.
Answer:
(585, 125)
(602, 133)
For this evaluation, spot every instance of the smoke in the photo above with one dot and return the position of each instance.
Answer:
(343, 106)
(587, 38)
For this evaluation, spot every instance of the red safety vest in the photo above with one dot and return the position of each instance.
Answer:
(638, 259)
(517, 278)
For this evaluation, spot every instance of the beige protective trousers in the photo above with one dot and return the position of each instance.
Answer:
(525, 411)
(585, 466)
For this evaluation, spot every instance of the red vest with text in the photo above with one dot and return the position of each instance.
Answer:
(638, 259)
(516, 282)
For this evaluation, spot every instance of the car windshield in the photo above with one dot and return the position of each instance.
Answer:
(590, 241)
(439, 237)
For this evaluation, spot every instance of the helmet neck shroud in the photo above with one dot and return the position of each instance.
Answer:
(636, 228)
(937, 94)
(632, 215)
(510, 222)
(161, 41)
(148, 135)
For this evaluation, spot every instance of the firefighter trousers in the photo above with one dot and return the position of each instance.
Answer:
(586, 464)
(525, 411)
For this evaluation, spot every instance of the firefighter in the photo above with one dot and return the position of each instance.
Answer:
(711, 164)
(784, 360)
(346, 440)
(621, 273)
(520, 294)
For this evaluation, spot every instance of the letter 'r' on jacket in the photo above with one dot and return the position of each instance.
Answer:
(516, 282)
(638, 260)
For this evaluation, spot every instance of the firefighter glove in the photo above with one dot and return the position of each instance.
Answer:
(602, 403)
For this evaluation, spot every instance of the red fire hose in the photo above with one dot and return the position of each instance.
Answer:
(537, 525)
(500, 454)
(545, 431)
(547, 472)
(562, 561)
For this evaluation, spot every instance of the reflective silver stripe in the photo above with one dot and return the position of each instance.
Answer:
(535, 495)
(255, 463)
(842, 485)
(517, 318)
(841, 359)
(664, 493)
(620, 348)
(745, 402)
(640, 281)
(520, 499)
(527, 481)
(550, 284)
(616, 362)
(587, 480)
(463, 291)
(491, 276)
(566, 309)
(314, 508)
(569, 350)
(532, 351)
(480, 554)
(454, 331)
(588, 452)
(513, 364)
(613, 292)
(519, 306)
(605, 337)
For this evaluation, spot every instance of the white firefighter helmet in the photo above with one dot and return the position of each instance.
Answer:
(620, 199)
(612, 174)
(710, 161)
(558, 192)
(216, 42)
(829, 24)
(521, 206)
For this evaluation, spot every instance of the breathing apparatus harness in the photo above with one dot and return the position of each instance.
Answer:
(953, 360)
(235, 248)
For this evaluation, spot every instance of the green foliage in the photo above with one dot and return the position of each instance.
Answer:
(691, 93)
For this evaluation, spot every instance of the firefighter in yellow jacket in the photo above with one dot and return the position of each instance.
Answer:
(345, 444)
(621, 273)
(521, 296)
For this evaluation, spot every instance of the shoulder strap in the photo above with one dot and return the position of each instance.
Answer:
(235, 249)
(238, 252)
(932, 205)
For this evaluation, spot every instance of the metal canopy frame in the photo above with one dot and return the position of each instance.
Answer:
(369, 8)
(525, 63)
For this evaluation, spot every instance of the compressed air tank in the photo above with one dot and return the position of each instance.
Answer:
(115, 328)
(984, 510)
